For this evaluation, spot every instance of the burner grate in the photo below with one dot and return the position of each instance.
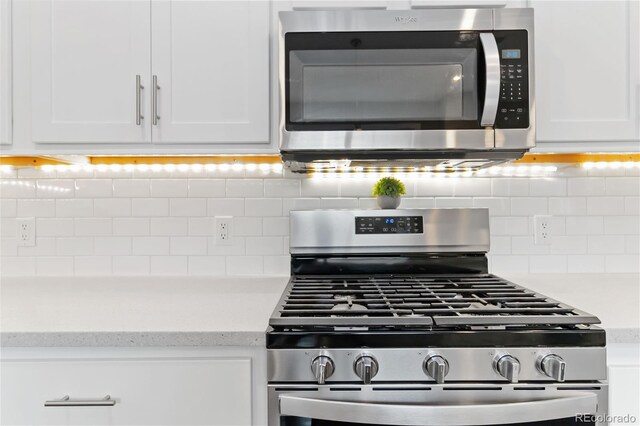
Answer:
(432, 301)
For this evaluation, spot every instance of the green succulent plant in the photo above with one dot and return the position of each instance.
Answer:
(389, 186)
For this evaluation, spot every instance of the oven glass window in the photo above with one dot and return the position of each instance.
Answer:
(350, 81)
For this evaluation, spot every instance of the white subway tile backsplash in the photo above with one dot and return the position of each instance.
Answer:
(568, 206)
(480, 187)
(627, 263)
(131, 188)
(244, 188)
(586, 186)
(133, 226)
(547, 264)
(605, 206)
(264, 246)
(169, 265)
(188, 246)
(150, 207)
(206, 265)
(169, 188)
(75, 246)
(167, 226)
(93, 226)
(524, 206)
(188, 207)
(74, 208)
(621, 225)
(605, 244)
(105, 246)
(54, 266)
(93, 188)
(15, 266)
(548, 187)
(282, 188)
(623, 186)
(225, 207)
(8, 208)
(584, 225)
(588, 263)
(207, 188)
(130, 265)
(92, 265)
(162, 223)
(263, 207)
(54, 188)
(277, 265)
(244, 265)
(275, 226)
(112, 207)
(151, 245)
(36, 208)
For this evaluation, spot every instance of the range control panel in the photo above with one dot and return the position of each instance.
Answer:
(513, 108)
(389, 225)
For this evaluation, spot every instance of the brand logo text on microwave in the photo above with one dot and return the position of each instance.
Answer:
(406, 19)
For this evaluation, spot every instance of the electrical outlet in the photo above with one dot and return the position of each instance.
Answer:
(26, 231)
(542, 224)
(223, 230)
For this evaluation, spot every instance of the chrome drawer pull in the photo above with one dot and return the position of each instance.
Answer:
(68, 402)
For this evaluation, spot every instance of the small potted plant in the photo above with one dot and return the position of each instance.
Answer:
(388, 190)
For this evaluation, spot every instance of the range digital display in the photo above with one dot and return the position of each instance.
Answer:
(389, 225)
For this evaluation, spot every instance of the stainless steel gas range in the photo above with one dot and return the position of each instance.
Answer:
(391, 318)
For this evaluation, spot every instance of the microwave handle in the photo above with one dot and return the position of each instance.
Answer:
(439, 415)
(492, 84)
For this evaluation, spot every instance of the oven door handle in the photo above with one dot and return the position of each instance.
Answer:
(438, 415)
(492, 83)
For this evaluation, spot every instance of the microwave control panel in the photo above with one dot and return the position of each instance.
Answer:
(513, 107)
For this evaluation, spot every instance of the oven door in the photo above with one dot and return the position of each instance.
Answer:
(436, 405)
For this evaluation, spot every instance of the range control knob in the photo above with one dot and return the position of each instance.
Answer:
(507, 366)
(366, 367)
(553, 366)
(322, 368)
(436, 367)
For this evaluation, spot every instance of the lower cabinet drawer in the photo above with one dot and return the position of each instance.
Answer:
(149, 391)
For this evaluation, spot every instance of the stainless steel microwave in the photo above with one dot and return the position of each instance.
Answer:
(406, 86)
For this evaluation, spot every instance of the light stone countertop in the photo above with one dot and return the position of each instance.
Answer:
(230, 311)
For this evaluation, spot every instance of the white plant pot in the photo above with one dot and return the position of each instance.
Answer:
(386, 202)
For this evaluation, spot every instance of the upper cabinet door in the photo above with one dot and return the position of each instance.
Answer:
(85, 59)
(587, 70)
(211, 63)
(5, 72)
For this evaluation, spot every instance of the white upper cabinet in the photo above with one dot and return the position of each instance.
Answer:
(588, 73)
(211, 62)
(85, 56)
(5, 72)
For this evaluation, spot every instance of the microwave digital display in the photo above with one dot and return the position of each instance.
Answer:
(510, 53)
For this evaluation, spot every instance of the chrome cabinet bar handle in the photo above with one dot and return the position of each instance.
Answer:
(68, 402)
(492, 85)
(139, 87)
(154, 100)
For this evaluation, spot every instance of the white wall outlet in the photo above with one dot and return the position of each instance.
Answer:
(26, 231)
(543, 230)
(222, 231)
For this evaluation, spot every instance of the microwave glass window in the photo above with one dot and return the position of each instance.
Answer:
(383, 85)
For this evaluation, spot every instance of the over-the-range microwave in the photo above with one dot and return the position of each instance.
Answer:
(452, 87)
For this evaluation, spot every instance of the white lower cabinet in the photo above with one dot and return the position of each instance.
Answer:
(218, 386)
(624, 383)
